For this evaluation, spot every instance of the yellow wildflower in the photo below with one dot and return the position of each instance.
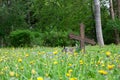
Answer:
(22, 68)
(99, 62)
(70, 71)
(68, 74)
(46, 74)
(33, 71)
(55, 52)
(103, 72)
(108, 53)
(62, 60)
(60, 78)
(17, 75)
(39, 52)
(31, 62)
(103, 65)
(11, 73)
(39, 78)
(70, 64)
(110, 67)
(1, 73)
(73, 78)
(1, 60)
(5, 68)
(75, 53)
(116, 61)
(26, 55)
(55, 62)
(81, 61)
(31, 79)
(19, 60)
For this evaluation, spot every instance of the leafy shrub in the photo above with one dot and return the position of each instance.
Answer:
(38, 38)
(109, 30)
(21, 38)
(56, 38)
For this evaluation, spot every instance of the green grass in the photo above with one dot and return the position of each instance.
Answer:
(52, 64)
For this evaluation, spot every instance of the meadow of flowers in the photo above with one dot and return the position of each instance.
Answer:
(42, 63)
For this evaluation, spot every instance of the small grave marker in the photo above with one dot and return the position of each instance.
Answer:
(82, 38)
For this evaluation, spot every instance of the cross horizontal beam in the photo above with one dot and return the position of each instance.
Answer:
(72, 36)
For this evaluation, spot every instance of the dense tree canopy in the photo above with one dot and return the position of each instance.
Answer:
(53, 20)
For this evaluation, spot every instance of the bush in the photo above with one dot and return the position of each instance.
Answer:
(56, 38)
(38, 38)
(21, 38)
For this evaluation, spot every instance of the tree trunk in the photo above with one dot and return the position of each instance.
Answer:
(98, 23)
(116, 32)
(118, 1)
(112, 10)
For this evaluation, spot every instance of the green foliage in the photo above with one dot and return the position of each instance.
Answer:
(114, 24)
(20, 38)
(52, 20)
(56, 38)
(38, 38)
(108, 31)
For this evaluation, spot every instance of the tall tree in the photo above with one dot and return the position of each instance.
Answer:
(113, 18)
(118, 1)
(98, 23)
(111, 9)
(116, 30)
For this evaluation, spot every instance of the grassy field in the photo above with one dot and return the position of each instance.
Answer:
(42, 63)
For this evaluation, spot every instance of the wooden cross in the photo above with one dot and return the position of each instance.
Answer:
(82, 38)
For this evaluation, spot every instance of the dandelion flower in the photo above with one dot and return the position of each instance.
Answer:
(108, 53)
(1, 60)
(31, 79)
(81, 61)
(103, 65)
(22, 68)
(70, 64)
(99, 62)
(55, 52)
(75, 53)
(26, 55)
(1, 73)
(73, 78)
(19, 60)
(33, 71)
(31, 62)
(70, 71)
(46, 74)
(39, 78)
(110, 67)
(11, 73)
(62, 60)
(17, 75)
(39, 52)
(55, 62)
(68, 74)
(60, 78)
(103, 72)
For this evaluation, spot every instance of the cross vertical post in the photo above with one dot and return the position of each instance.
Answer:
(82, 40)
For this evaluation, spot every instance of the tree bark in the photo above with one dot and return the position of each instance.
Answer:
(118, 1)
(112, 10)
(116, 32)
(98, 22)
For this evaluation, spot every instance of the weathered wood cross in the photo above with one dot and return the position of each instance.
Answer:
(82, 38)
